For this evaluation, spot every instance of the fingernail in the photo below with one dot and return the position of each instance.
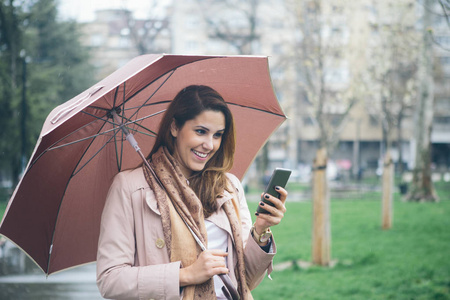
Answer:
(277, 188)
(266, 196)
(256, 213)
(261, 203)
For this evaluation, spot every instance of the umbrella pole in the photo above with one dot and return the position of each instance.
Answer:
(130, 138)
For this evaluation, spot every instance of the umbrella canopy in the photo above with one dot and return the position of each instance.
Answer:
(54, 213)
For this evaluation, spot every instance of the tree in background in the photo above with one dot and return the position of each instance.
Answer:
(332, 84)
(145, 33)
(422, 188)
(392, 73)
(393, 70)
(233, 22)
(445, 5)
(11, 18)
(49, 51)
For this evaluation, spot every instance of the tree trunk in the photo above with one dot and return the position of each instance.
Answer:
(356, 168)
(422, 188)
(321, 234)
(400, 144)
(388, 184)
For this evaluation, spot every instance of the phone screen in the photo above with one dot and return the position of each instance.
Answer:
(279, 177)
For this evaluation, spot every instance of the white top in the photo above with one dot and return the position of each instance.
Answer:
(217, 239)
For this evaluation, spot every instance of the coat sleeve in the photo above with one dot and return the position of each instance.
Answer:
(257, 261)
(117, 277)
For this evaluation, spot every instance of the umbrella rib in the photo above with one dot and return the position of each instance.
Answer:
(119, 157)
(119, 162)
(81, 140)
(115, 94)
(95, 154)
(149, 104)
(141, 119)
(159, 87)
(56, 147)
(144, 133)
(258, 109)
(130, 121)
(106, 120)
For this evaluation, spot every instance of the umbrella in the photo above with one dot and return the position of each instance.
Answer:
(54, 213)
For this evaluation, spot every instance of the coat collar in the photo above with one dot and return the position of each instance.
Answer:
(226, 196)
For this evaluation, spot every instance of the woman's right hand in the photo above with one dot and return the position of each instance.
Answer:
(208, 264)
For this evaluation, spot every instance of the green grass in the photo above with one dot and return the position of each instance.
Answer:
(410, 261)
(2, 208)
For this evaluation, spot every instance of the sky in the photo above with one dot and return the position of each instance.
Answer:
(83, 10)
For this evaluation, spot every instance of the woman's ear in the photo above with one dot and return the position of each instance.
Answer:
(173, 129)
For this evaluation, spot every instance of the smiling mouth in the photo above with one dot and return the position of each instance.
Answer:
(200, 154)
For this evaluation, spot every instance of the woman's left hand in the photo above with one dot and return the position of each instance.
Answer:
(275, 213)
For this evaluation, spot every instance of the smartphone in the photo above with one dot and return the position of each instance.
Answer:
(279, 177)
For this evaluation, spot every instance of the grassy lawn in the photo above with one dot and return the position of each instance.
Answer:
(2, 207)
(410, 261)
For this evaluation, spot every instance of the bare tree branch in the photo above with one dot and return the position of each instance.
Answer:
(433, 38)
(445, 5)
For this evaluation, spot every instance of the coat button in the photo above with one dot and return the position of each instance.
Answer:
(160, 243)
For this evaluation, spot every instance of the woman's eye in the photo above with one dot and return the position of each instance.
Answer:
(218, 135)
(200, 131)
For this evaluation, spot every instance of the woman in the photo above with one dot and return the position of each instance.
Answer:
(146, 251)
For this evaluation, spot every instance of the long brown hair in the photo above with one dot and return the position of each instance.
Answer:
(210, 182)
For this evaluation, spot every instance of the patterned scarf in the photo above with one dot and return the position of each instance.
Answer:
(178, 202)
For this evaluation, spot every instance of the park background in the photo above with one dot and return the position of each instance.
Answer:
(361, 80)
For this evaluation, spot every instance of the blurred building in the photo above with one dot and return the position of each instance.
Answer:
(360, 33)
(441, 123)
(374, 44)
(115, 37)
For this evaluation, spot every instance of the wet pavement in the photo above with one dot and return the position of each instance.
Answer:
(77, 283)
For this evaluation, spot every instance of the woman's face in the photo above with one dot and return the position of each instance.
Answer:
(198, 140)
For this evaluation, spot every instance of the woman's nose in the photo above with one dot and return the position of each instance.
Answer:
(208, 143)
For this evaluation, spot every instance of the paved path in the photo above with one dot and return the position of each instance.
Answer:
(77, 283)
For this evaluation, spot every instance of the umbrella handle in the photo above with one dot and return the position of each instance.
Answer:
(228, 289)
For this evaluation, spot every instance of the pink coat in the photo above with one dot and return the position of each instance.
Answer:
(132, 260)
